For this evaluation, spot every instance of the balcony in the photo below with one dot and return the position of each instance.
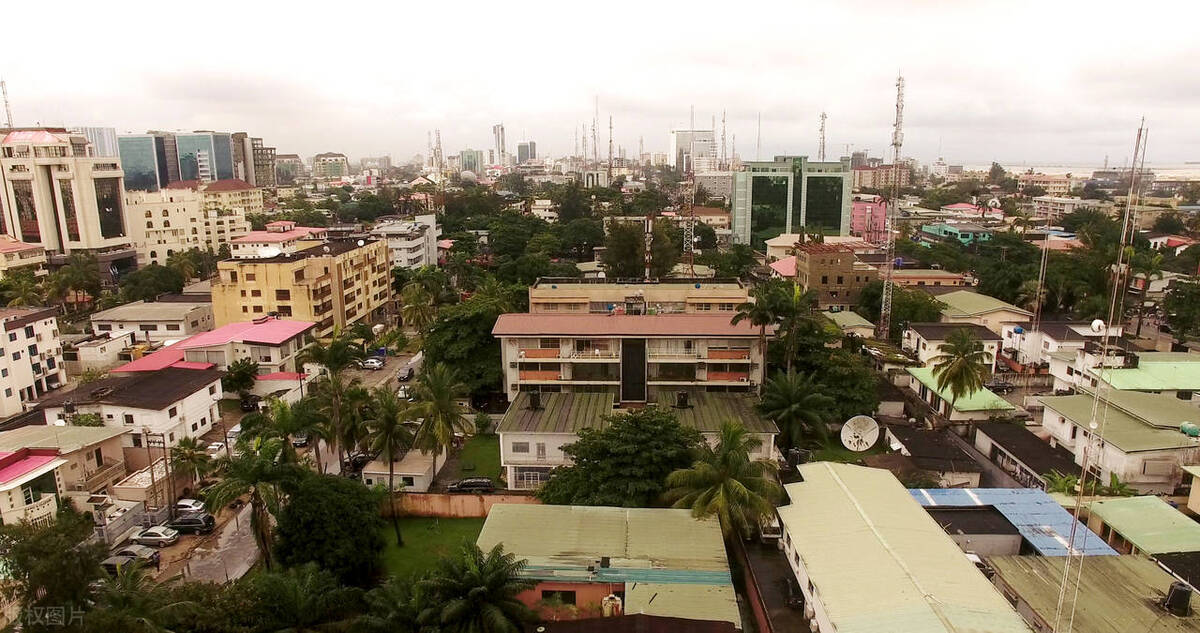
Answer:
(39, 511)
(728, 354)
(728, 376)
(541, 375)
(538, 353)
(672, 355)
(94, 480)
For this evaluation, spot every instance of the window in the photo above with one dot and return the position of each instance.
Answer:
(839, 279)
(212, 390)
(520, 447)
(250, 277)
(148, 327)
(16, 356)
(195, 426)
(4, 373)
(137, 441)
(255, 293)
(170, 437)
(1183, 395)
(408, 482)
(28, 331)
(565, 597)
(204, 421)
(258, 309)
(173, 411)
(8, 392)
(128, 418)
(173, 326)
(283, 295)
(12, 336)
(824, 279)
(104, 327)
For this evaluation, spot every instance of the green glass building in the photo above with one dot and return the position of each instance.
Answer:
(782, 195)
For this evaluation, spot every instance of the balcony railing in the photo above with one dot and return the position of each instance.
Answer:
(729, 376)
(593, 352)
(538, 353)
(729, 354)
(540, 374)
(96, 479)
(683, 354)
(39, 511)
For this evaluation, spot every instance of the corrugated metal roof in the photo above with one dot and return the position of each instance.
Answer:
(1156, 371)
(1130, 420)
(559, 413)
(982, 400)
(1042, 522)
(880, 563)
(962, 303)
(707, 411)
(678, 325)
(1151, 524)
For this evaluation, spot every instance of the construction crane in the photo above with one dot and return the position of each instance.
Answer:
(7, 107)
(883, 328)
(821, 140)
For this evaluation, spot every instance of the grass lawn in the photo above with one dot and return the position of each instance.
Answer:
(480, 457)
(425, 541)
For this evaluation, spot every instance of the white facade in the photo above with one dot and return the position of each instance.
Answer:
(30, 357)
(1054, 207)
(164, 222)
(156, 321)
(33, 495)
(413, 473)
(98, 353)
(927, 349)
(411, 244)
(544, 210)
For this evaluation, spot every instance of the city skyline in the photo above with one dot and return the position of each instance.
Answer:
(973, 90)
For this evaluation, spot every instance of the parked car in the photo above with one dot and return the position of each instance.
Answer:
(1000, 386)
(300, 439)
(193, 523)
(189, 505)
(157, 536)
(476, 485)
(373, 363)
(357, 460)
(406, 374)
(113, 564)
(145, 554)
(215, 450)
(250, 402)
(404, 393)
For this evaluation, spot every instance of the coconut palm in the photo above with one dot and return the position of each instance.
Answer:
(133, 601)
(1145, 266)
(437, 390)
(335, 355)
(475, 592)
(390, 437)
(303, 599)
(394, 607)
(763, 312)
(962, 366)
(183, 263)
(354, 418)
(22, 290)
(794, 401)
(724, 481)
(1058, 482)
(417, 308)
(79, 277)
(329, 398)
(283, 421)
(256, 470)
(796, 312)
(190, 455)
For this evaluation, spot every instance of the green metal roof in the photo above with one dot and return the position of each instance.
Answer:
(846, 319)
(666, 548)
(965, 303)
(67, 439)
(1117, 594)
(1156, 371)
(1149, 523)
(559, 413)
(707, 411)
(1130, 420)
(879, 562)
(982, 400)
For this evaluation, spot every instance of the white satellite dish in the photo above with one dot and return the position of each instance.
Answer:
(860, 433)
(269, 251)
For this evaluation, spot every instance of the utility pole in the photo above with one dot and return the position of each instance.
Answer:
(7, 106)
(883, 328)
(821, 141)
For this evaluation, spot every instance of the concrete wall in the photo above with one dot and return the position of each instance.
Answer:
(989, 544)
(451, 505)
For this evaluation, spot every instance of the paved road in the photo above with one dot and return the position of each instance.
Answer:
(228, 555)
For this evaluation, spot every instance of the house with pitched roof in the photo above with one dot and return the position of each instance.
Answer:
(966, 306)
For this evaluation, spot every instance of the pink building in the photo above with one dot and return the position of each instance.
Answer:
(868, 219)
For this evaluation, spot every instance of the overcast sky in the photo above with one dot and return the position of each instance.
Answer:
(1012, 81)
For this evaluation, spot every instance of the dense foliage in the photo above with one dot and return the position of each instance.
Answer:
(334, 522)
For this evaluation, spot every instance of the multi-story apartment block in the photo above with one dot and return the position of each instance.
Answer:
(30, 485)
(54, 193)
(832, 270)
(31, 362)
(627, 354)
(332, 283)
(330, 165)
(868, 218)
(667, 296)
(1055, 185)
(16, 256)
(165, 222)
(288, 167)
(173, 402)
(1054, 207)
(410, 244)
(171, 317)
(280, 237)
(226, 203)
(879, 177)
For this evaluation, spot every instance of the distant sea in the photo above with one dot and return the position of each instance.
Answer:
(1166, 171)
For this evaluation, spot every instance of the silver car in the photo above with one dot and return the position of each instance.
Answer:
(157, 536)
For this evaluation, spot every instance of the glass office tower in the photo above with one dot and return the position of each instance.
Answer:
(144, 159)
(205, 156)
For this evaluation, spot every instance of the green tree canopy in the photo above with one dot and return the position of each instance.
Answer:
(239, 375)
(51, 565)
(461, 337)
(147, 283)
(334, 522)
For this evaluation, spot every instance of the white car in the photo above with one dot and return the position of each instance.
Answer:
(189, 505)
(373, 363)
(216, 449)
(157, 536)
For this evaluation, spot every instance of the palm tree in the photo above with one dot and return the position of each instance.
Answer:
(303, 599)
(796, 404)
(1118, 488)
(394, 607)
(476, 592)
(1146, 266)
(1058, 482)
(133, 601)
(182, 263)
(962, 366)
(390, 437)
(724, 481)
(256, 471)
(283, 421)
(329, 396)
(190, 455)
(762, 312)
(81, 274)
(437, 391)
(335, 355)
(797, 311)
(1031, 295)
(417, 310)
(354, 418)
(22, 290)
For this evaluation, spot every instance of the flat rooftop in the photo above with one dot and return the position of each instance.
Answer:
(597, 325)
(572, 412)
(142, 311)
(66, 439)
(1130, 420)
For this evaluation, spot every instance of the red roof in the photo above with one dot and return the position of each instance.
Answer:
(14, 465)
(161, 359)
(9, 245)
(229, 184)
(621, 325)
(278, 236)
(785, 267)
(270, 332)
(961, 206)
(445, 243)
(32, 136)
(188, 364)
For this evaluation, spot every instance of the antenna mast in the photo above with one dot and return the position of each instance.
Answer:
(610, 150)
(758, 140)
(821, 142)
(7, 106)
(724, 162)
(883, 328)
(595, 122)
(585, 152)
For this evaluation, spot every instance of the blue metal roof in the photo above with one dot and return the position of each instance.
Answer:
(1043, 523)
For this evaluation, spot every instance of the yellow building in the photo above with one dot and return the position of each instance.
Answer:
(332, 283)
(224, 207)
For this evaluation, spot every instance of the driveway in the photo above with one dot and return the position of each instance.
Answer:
(227, 554)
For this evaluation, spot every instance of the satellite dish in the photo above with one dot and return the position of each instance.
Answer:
(860, 433)
(269, 251)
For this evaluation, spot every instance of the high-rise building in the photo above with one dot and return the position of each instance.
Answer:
(54, 193)
(288, 167)
(103, 140)
(858, 160)
(501, 147)
(693, 150)
(526, 151)
(205, 156)
(264, 164)
(330, 165)
(782, 195)
(382, 163)
(145, 161)
(471, 160)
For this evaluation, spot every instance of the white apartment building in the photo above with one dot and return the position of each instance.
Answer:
(30, 485)
(280, 237)
(93, 455)
(1055, 207)
(165, 222)
(172, 317)
(330, 165)
(55, 193)
(410, 244)
(666, 296)
(173, 402)
(225, 205)
(925, 340)
(544, 210)
(628, 354)
(30, 357)
(16, 256)
(1053, 339)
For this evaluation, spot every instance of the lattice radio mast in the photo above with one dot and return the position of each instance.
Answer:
(595, 142)
(883, 329)
(821, 140)
(7, 106)
(585, 151)
(610, 150)
(724, 162)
